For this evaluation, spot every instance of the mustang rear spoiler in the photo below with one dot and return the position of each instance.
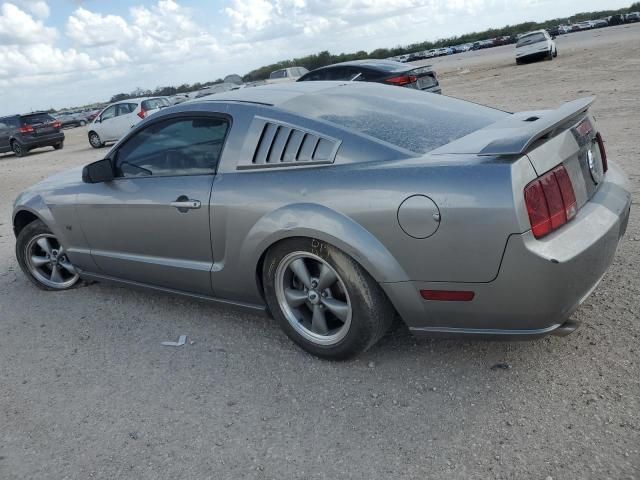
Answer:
(517, 132)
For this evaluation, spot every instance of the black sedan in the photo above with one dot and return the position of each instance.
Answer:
(378, 71)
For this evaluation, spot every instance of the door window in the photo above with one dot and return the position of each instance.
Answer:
(183, 146)
(108, 113)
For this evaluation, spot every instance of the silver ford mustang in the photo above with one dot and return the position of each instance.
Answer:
(337, 207)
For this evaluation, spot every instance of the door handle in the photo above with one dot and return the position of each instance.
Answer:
(184, 205)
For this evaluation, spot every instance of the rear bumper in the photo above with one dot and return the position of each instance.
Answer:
(529, 57)
(43, 141)
(540, 282)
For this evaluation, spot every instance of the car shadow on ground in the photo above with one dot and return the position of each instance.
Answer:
(244, 331)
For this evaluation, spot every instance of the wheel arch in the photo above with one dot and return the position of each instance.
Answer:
(21, 219)
(314, 221)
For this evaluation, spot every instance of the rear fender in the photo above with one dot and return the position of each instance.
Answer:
(239, 269)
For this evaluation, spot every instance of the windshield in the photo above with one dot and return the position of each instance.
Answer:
(529, 39)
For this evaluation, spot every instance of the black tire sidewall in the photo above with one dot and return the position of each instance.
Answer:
(372, 313)
(20, 149)
(99, 141)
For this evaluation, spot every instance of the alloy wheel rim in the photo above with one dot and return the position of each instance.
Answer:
(94, 139)
(17, 149)
(47, 261)
(313, 298)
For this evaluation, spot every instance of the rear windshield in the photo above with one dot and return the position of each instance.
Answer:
(404, 117)
(36, 119)
(529, 39)
(387, 67)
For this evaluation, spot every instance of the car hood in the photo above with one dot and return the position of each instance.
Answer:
(61, 179)
(56, 182)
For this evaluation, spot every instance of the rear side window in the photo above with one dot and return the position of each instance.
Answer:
(404, 117)
(184, 146)
(36, 119)
(125, 108)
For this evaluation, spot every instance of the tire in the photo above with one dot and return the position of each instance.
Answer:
(550, 54)
(518, 61)
(28, 250)
(555, 52)
(59, 146)
(94, 140)
(82, 123)
(370, 313)
(18, 149)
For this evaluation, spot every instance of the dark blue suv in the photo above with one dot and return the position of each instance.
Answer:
(21, 133)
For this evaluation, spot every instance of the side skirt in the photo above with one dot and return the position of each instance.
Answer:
(241, 306)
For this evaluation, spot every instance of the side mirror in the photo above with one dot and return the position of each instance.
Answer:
(98, 172)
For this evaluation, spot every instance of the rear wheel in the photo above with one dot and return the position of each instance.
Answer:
(94, 140)
(43, 259)
(59, 146)
(18, 149)
(324, 300)
(550, 54)
(555, 52)
(82, 123)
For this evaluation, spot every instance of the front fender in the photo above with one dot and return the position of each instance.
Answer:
(35, 205)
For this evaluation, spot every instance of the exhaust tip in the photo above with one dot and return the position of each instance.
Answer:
(566, 328)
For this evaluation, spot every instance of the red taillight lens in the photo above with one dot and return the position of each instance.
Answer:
(550, 201)
(568, 195)
(26, 129)
(402, 80)
(553, 196)
(447, 295)
(56, 124)
(603, 153)
(537, 209)
(142, 114)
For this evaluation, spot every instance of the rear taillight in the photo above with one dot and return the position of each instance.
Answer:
(142, 114)
(550, 201)
(26, 129)
(603, 153)
(402, 80)
(56, 124)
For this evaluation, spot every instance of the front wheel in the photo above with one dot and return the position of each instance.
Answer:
(94, 140)
(323, 299)
(43, 259)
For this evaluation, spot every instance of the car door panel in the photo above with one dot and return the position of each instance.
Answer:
(151, 223)
(4, 137)
(136, 234)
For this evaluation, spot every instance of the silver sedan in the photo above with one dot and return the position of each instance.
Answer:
(338, 207)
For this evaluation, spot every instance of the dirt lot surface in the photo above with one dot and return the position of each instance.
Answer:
(87, 391)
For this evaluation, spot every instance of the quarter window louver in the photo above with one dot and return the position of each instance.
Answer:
(285, 145)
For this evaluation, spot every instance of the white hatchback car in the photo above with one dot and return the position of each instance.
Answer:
(535, 46)
(118, 118)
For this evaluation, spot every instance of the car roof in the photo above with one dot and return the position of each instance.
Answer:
(386, 65)
(532, 33)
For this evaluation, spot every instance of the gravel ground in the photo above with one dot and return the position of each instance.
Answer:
(87, 391)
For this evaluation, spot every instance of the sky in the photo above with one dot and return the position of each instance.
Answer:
(63, 53)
